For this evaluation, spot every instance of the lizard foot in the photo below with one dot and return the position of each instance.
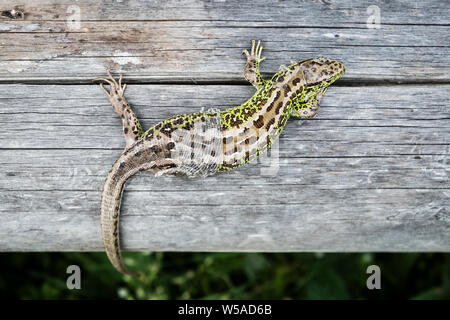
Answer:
(251, 71)
(116, 88)
(115, 93)
(255, 52)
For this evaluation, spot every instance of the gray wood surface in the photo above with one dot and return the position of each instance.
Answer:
(202, 40)
(369, 173)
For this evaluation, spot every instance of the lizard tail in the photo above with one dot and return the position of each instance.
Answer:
(125, 166)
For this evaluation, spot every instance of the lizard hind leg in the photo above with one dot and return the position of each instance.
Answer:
(132, 128)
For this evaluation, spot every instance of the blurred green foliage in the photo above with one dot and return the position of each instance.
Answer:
(227, 276)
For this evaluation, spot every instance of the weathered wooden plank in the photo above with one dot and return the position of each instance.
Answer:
(353, 121)
(87, 169)
(370, 173)
(281, 13)
(158, 41)
(280, 220)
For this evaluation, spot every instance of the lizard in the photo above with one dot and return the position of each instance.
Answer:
(212, 141)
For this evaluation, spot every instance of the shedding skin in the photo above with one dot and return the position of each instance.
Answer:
(204, 143)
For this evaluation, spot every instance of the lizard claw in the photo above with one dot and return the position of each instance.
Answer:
(255, 52)
(114, 86)
(104, 90)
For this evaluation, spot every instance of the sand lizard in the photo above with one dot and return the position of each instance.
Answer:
(203, 143)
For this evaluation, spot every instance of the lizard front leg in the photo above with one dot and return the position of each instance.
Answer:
(132, 129)
(309, 109)
(251, 71)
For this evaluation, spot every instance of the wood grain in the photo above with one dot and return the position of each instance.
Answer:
(201, 41)
(370, 173)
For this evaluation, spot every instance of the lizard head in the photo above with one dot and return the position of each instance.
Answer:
(321, 72)
(318, 74)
